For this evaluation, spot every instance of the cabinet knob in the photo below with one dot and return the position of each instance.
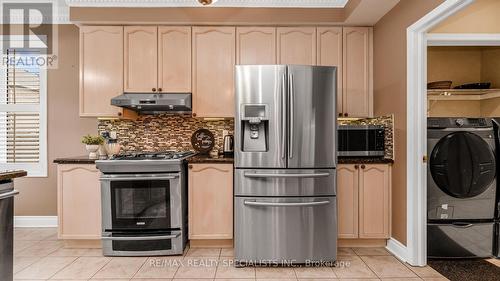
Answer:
(363, 166)
(154, 89)
(340, 114)
(345, 114)
(159, 89)
(194, 114)
(356, 167)
(190, 166)
(119, 114)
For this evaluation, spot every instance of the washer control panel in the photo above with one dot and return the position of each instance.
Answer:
(453, 122)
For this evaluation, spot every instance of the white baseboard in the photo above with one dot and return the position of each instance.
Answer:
(397, 249)
(35, 221)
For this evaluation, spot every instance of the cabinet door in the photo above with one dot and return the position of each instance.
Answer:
(357, 71)
(78, 202)
(213, 71)
(296, 45)
(329, 46)
(101, 70)
(141, 59)
(347, 198)
(210, 201)
(174, 59)
(256, 45)
(374, 201)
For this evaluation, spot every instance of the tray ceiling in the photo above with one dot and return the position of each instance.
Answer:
(219, 3)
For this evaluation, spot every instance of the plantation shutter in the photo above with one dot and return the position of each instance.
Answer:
(20, 110)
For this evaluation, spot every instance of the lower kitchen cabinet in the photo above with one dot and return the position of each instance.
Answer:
(78, 201)
(363, 194)
(210, 207)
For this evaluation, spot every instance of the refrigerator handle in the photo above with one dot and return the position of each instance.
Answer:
(291, 109)
(291, 204)
(283, 116)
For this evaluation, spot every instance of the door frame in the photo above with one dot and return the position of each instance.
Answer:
(415, 252)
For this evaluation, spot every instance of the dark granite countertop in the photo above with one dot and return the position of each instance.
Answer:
(203, 158)
(8, 175)
(75, 160)
(364, 160)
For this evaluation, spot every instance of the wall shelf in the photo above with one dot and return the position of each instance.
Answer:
(462, 94)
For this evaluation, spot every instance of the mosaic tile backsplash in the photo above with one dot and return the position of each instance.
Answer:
(173, 132)
(387, 122)
(163, 132)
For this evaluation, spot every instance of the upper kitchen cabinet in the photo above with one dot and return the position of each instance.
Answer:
(174, 59)
(141, 56)
(357, 94)
(329, 53)
(296, 45)
(213, 71)
(101, 70)
(256, 45)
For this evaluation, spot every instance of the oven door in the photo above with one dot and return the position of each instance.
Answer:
(141, 202)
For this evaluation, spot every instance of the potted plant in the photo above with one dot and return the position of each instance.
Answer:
(92, 144)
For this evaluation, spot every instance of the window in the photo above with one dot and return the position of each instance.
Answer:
(23, 120)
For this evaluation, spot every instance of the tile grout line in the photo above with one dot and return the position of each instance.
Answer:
(135, 273)
(106, 263)
(62, 268)
(379, 277)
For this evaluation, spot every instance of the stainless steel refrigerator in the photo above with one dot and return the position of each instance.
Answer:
(285, 159)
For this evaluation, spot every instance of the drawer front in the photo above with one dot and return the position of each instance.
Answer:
(460, 241)
(295, 230)
(289, 182)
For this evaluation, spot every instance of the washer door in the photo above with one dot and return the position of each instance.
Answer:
(462, 165)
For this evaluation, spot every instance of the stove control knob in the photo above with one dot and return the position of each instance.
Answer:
(460, 122)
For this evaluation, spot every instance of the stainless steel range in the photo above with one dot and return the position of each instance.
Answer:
(144, 203)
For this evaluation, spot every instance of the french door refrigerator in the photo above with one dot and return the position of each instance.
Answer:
(285, 159)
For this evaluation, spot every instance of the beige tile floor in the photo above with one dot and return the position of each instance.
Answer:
(40, 256)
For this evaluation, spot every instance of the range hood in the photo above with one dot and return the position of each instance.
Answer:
(155, 103)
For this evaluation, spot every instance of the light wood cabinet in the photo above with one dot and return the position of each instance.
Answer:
(363, 194)
(101, 70)
(347, 195)
(256, 45)
(374, 201)
(174, 59)
(213, 71)
(329, 53)
(357, 94)
(296, 45)
(210, 201)
(78, 201)
(141, 56)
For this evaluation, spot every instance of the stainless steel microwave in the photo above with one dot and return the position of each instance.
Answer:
(361, 140)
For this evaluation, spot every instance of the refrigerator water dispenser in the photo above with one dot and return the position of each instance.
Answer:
(255, 123)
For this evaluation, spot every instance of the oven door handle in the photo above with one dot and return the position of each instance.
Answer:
(143, 238)
(142, 177)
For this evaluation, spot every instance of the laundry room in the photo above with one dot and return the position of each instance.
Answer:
(463, 110)
(464, 81)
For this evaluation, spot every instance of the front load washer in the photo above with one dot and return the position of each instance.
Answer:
(461, 187)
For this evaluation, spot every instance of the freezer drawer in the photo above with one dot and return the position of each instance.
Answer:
(285, 182)
(285, 230)
(465, 240)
